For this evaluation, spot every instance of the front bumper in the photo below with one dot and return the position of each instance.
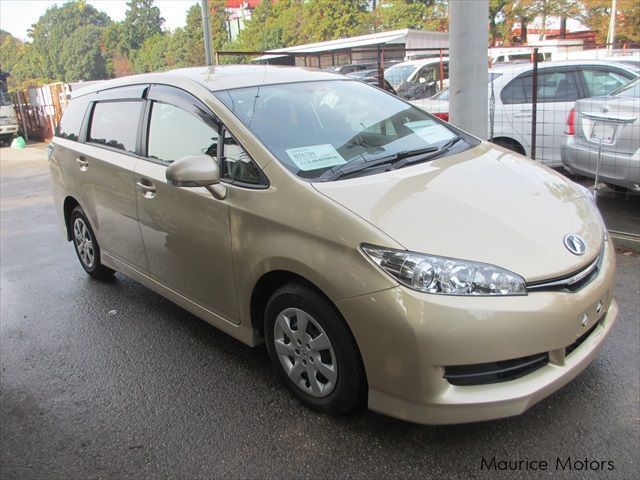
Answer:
(407, 338)
(8, 130)
(615, 168)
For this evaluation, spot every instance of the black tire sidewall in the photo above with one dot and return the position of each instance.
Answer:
(350, 389)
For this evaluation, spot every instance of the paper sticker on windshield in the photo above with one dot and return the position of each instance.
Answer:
(315, 156)
(430, 131)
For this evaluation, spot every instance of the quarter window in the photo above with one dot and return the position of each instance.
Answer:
(175, 133)
(71, 121)
(115, 124)
(236, 162)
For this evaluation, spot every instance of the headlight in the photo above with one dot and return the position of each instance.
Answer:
(448, 276)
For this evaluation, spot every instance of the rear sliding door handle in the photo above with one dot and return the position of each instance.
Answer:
(82, 163)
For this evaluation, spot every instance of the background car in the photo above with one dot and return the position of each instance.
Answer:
(614, 121)
(371, 77)
(560, 84)
(417, 79)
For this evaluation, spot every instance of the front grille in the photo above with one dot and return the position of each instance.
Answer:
(580, 340)
(569, 283)
(494, 372)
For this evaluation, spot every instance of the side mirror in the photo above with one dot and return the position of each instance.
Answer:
(197, 171)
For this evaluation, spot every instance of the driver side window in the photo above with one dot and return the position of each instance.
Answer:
(175, 133)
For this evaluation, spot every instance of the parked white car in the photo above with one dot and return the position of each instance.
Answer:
(560, 84)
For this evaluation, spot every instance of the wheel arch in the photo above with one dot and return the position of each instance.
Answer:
(504, 141)
(67, 207)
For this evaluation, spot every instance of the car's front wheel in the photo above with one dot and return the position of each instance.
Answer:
(313, 350)
(86, 245)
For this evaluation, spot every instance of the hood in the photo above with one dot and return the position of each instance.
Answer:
(485, 204)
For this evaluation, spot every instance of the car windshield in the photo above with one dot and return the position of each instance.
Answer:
(5, 100)
(631, 89)
(398, 73)
(314, 128)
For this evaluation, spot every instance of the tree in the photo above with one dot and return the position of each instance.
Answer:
(419, 14)
(52, 32)
(82, 58)
(218, 20)
(152, 56)
(329, 20)
(142, 20)
(496, 13)
(596, 15)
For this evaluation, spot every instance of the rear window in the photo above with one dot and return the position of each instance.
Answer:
(71, 121)
(115, 124)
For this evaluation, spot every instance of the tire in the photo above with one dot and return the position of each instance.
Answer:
(86, 245)
(340, 383)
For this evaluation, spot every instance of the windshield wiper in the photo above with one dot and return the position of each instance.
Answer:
(397, 160)
(444, 148)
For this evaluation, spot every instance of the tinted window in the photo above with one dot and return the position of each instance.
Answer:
(515, 91)
(175, 133)
(71, 121)
(601, 82)
(553, 86)
(115, 124)
(237, 164)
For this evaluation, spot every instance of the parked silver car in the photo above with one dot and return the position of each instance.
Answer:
(612, 121)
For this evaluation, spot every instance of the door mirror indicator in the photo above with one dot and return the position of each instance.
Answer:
(197, 171)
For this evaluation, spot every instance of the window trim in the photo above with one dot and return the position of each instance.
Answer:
(163, 93)
(89, 123)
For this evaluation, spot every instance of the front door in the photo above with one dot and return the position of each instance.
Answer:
(185, 230)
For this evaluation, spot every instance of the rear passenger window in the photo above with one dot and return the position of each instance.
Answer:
(71, 121)
(175, 133)
(554, 86)
(115, 124)
(601, 82)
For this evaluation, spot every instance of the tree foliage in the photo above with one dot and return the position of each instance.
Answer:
(52, 34)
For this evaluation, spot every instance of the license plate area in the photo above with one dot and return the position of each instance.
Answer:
(604, 132)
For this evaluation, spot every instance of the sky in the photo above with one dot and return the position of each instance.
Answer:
(17, 16)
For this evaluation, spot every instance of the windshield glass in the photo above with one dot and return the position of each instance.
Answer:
(313, 127)
(631, 89)
(5, 99)
(398, 73)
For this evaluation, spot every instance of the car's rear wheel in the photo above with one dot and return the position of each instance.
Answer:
(313, 351)
(86, 245)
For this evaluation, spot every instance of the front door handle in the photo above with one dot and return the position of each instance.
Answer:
(82, 163)
(147, 188)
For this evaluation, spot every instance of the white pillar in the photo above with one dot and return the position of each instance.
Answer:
(468, 65)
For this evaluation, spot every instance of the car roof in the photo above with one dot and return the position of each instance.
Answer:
(517, 68)
(421, 62)
(221, 77)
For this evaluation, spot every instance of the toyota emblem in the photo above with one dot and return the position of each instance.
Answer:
(575, 244)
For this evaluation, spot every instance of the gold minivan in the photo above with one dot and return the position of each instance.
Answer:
(382, 255)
